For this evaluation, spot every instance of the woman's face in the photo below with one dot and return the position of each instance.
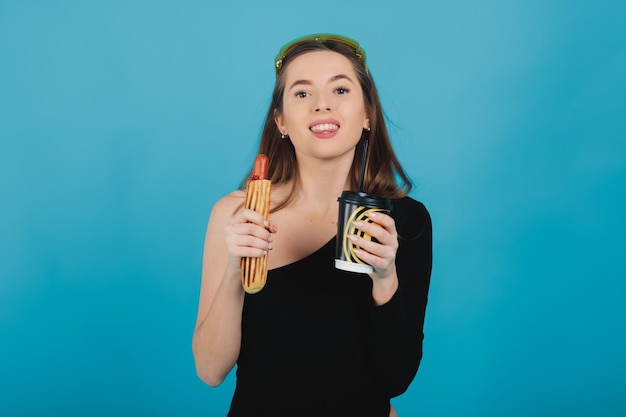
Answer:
(324, 112)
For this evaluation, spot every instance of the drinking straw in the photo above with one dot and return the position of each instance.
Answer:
(364, 159)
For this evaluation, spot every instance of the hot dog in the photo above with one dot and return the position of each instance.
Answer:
(254, 270)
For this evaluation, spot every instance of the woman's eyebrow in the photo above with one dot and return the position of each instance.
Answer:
(300, 82)
(333, 78)
(341, 77)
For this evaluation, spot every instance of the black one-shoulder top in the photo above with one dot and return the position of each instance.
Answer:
(313, 342)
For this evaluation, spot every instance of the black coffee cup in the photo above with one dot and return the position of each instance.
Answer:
(355, 206)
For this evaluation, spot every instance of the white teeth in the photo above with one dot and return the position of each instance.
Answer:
(324, 127)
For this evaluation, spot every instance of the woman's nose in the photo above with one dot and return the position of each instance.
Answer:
(322, 104)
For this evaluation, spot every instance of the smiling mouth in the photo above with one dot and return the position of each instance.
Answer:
(324, 127)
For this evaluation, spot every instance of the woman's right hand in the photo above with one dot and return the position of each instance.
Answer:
(248, 234)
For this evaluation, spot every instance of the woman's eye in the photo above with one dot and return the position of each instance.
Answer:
(301, 94)
(342, 90)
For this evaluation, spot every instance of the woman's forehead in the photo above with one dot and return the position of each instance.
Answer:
(319, 64)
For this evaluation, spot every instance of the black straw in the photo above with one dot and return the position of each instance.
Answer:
(364, 160)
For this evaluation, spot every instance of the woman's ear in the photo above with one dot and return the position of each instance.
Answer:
(366, 122)
(280, 122)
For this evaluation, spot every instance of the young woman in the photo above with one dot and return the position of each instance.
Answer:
(317, 341)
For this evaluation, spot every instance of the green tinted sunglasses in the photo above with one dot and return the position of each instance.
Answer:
(322, 38)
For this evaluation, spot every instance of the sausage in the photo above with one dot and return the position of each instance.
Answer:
(261, 167)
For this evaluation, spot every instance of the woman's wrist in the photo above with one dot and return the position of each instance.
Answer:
(383, 289)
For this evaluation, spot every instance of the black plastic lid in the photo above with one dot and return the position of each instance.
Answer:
(365, 199)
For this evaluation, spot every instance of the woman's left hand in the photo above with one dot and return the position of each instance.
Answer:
(381, 255)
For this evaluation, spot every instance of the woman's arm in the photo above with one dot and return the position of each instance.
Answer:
(402, 263)
(397, 326)
(217, 336)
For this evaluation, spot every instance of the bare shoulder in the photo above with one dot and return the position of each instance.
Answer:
(229, 204)
(223, 210)
(221, 213)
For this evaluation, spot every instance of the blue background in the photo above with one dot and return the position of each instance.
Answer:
(122, 122)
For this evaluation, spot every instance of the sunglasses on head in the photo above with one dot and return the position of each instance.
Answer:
(351, 44)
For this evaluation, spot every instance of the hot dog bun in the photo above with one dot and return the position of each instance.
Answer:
(258, 189)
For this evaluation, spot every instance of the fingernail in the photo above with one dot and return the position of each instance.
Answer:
(266, 223)
(270, 239)
(372, 215)
(358, 224)
(269, 246)
(352, 238)
(264, 252)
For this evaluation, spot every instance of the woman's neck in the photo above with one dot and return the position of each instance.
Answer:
(321, 183)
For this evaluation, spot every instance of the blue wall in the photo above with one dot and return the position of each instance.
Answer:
(122, 122)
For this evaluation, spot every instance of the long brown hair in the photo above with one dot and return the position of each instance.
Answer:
(383, 170)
